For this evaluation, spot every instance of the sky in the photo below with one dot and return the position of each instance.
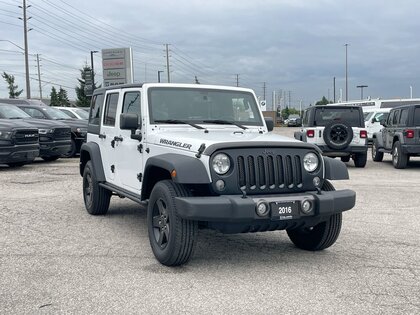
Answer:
(293, 47)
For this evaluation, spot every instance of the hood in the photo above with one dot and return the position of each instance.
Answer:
(192, 139)
(10, 124)
(44, 123)
(75, 123)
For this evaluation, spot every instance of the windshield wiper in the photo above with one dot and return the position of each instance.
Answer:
(15, 118)
(224, 122)
(176, 121)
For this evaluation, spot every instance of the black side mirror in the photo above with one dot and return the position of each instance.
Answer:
(383, 122)
(129, 121)
(270, 123)
(373, 120)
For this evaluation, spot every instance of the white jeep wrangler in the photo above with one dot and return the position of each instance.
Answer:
(202, 157)
(338, 130)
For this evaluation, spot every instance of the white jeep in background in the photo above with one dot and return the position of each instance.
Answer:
(338, 130)
(202, 157)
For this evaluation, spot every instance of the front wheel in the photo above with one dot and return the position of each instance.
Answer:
(50, 158)
(376, 155)
(72, 151)
(320, 236)
(172, 238)
(96, 197)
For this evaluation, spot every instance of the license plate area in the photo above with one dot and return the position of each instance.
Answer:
(284, 210)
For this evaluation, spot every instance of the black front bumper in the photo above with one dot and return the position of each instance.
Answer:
(235, 208)
(18, 153)
(54, 148)
(327, 151)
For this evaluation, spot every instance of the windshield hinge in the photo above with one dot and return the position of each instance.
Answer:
(139, 177)
(140, 148)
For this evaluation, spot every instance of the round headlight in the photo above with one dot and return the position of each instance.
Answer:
(221, 163)
(310, 162)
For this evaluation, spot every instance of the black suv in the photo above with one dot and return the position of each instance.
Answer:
(78, 127)
(400, 136)
(338, 130)
(18, 143)
(54, 136)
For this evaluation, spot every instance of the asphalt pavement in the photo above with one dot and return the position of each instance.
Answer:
(56, 258)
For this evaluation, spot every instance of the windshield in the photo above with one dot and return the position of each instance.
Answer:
(10, 111)
(351, 116)
(55, 113)
(202, 106)
(367, 116)
(82, 113)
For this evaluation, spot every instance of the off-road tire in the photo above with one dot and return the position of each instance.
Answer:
(399, 159)
(16, 164)
(345, 158)
(376, 155)
(338, 135)
(72, 151)
(322, 235)
(360, 159)
(171, 237)
(96, 197)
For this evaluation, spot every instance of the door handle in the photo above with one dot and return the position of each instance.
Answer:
(116, 138)
(102, 136)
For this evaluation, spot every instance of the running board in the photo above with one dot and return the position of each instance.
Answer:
(125, 193)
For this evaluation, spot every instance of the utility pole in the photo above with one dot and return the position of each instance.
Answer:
(91, 67)
(167, 62)
(25, 36)
(159, 72)
(347, 86)
(290, 98)
(334, 88)
(39, 76)
(237, 79)
(264, 91)
(361, 88)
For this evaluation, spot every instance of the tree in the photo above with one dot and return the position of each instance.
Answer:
(63, 99)
(54, 97)
(82, 99)
(10, 79)
(323, 101)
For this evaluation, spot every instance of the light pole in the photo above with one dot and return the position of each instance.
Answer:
(159, 72)
(347, 87)
(91, 66)
(361, 87)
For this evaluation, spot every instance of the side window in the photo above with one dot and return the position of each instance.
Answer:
(389, 120)
(417, 116)
(131, 103)
(110, 111)
(395, 118)
(305, 118)
(95, 109)
(403, 117)
(67, 112)
(34, 113)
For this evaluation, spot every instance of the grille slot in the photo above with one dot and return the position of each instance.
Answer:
(269, 172)
(26, 136)
(62, 133)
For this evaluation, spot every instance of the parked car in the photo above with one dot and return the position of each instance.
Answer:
(54, 136)
(294, 121)
(372, 120)
(400, 136)
(19, 143)
(339, 131)
(78, 127)
(74, 112)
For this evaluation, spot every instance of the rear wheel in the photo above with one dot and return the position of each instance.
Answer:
(320, 236)
(399, 159)
(376, 155)
(360, 159)
(50, 158)
(172, 238)
(96, 197)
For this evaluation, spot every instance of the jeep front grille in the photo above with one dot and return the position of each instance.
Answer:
(269, 172)
(26, 136)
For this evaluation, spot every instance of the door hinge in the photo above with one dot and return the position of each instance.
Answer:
(139, 177)
(112, 168)
(113, 143)
(140, 148)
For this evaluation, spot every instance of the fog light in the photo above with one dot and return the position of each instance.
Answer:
(262, 208)
(306, 206)
(220, 185)
(317, 182)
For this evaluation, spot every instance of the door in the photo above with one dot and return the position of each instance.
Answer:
(107, 142)
(390, 129)
(129, 152)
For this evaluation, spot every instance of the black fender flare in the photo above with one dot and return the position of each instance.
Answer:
(91, 151)
(189, 170)
(377, 136)
(335, 169)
